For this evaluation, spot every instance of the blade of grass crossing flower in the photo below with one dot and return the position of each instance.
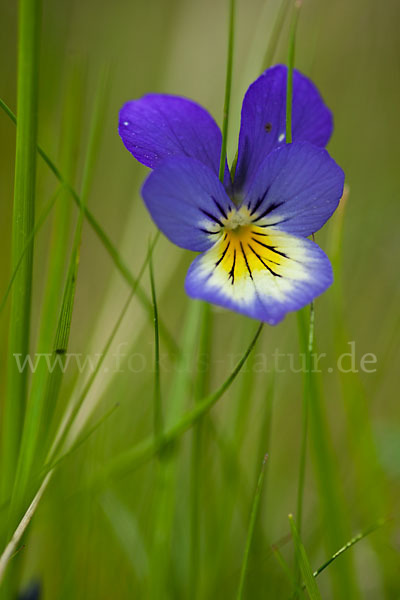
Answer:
(23, 225)
(304, 564)
(44, 404)
(331, 501)
(228, 87)
(105, 240)
(291, 57)
(250, 532)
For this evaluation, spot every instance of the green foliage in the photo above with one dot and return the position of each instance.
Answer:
(138, 475)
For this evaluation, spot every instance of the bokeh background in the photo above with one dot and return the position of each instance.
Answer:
(91, 543)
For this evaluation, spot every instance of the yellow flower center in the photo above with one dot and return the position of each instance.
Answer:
(246, 248)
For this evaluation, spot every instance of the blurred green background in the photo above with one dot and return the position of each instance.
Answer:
(114, 541)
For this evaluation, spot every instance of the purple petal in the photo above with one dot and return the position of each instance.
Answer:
(263, 125)
(296, 189)
(159, 126)
(187, 202)
(266, 283)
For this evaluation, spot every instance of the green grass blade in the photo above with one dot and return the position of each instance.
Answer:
(306, 343)
(144, 451)
(250, 532)
(158, 417)
(286, 569)
(202, 382)
(38, 423)
(69, 419)
(38, 225)
(305, 410)
(23, 225)
(169, 460)
(333, 505)
(304, 565)
(354, 540)
(79, 442)
(110, 248)
(290, 65)
(275, 34)
(126, 529)
(12, 547)
(228, 87)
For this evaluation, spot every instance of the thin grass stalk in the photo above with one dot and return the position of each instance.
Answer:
(157, 412)
(228, 88)
(369, 474)
(22, 227)
(56, 457)
(202, 381)
(58, 249)
(305, 410)
(306, 346)
(330, 497)
(303, 563)
(250, 532)
(12, 546)
(290, 67)
(169, 457)
(62, 441)
(40, 221)
(333, 502)
(275, 34)
(105, 240)
(38, 424)
(148, 448)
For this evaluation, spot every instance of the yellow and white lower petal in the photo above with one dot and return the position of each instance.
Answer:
(260, 272)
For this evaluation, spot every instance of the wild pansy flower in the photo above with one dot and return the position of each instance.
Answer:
(252, 230)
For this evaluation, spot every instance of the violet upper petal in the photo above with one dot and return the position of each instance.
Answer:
(159, 126)
(263, 123)
(187, 202)
(296, 189)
